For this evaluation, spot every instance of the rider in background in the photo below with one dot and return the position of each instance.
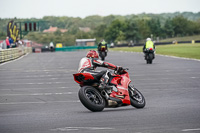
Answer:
(103, 43)
(51, 46)
(148, 44)
(89, 63)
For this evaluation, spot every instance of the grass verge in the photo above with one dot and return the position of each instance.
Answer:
(185, 38)
(180, 50)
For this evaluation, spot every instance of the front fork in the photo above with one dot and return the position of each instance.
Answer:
(132, 90)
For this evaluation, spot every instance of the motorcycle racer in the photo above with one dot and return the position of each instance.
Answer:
(102, 44)
(89, 63)
(102, 49)
(148, 44)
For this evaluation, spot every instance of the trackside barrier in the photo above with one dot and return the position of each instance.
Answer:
(13, 53)
(74, 48)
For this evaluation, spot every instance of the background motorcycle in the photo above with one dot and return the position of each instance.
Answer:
(51, 49)
(121, 93)
(103, 52)
(149, 55)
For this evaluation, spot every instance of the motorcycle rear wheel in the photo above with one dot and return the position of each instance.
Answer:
(149, 61)
(103, 54)
(136, 98)
(91, 98)
(150, 58)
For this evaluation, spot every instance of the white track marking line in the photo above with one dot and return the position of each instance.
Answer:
(194, 77)
(39, 94)
(11, 103)
(160, 55)
(34, 88)
(187, 130)
(34, 83)
(179, 57)
(81, 128)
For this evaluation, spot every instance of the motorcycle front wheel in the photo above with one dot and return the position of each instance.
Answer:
(136, 98)
(91, 98)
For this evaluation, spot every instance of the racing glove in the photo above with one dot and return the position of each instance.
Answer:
(119, 69)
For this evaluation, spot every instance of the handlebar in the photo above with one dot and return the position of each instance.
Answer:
(126, 69)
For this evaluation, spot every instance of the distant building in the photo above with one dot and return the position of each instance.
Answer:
(63, 30)
(85, 29)
(54, 29)
(85, 42)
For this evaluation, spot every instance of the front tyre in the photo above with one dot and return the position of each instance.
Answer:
(91, 98)
(136, 98)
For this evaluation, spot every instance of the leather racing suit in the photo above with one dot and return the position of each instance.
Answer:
(88, 65)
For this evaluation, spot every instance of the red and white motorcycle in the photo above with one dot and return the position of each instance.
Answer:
(120, 93)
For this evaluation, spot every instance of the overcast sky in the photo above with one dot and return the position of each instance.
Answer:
(83, 8)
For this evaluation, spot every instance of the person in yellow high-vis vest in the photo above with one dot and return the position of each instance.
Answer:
(102, 44)
(102, 48)
(148, 44)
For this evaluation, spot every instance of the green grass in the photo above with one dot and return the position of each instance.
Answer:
(185, 38)
(179, 50)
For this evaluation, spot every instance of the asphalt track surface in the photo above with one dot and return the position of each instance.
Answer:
(38, 95)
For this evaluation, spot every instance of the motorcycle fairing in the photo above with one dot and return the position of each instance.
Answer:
(121, 82)
(150, 50)
(103, 48)
(80, 78)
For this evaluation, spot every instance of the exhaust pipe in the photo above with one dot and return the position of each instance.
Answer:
(103, 93)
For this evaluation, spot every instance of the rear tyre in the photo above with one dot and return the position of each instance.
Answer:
(91, 98)
(147, 58)
(103, 56)
(150, 58)
(136, 98)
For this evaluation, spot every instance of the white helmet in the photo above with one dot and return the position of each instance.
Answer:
(148, 39)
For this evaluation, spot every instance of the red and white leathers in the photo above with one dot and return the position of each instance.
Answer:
(90, 64)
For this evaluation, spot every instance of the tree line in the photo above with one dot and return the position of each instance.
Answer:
(114, 28)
